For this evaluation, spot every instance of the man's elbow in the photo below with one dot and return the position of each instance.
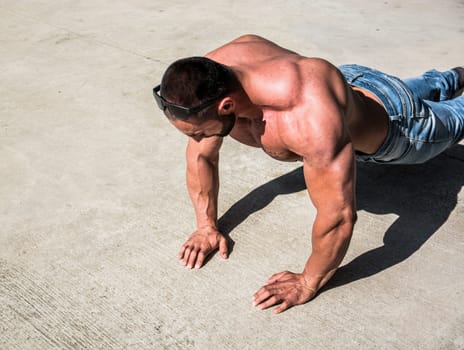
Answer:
(353, 217)
(338, 225)
(348, 221)
(343, 228)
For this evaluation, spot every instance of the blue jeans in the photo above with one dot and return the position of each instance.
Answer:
(424, 118)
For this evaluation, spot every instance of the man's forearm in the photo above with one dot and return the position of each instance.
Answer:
(203, 187)
(328, 250)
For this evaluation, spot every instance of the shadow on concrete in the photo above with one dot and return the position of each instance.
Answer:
(258, 199)
(423, 196)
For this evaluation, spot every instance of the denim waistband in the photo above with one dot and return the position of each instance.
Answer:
(394, 95)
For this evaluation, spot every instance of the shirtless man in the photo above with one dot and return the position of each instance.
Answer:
(299, 108)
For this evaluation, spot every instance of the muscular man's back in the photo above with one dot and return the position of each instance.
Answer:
(285, 85)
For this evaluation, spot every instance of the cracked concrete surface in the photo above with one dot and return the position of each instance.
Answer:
(93, 206)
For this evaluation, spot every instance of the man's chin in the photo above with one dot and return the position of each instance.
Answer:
(228, 126)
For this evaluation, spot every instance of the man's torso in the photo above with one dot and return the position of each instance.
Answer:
(287, 89)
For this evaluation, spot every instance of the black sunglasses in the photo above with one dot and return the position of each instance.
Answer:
(177, 111)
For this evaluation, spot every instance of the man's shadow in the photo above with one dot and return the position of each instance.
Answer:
(259, 198)
(422, 196)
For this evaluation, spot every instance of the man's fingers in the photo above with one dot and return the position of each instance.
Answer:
(192, 258)
(200, 259)
(266, 297)
(197, 248)
(260, 296)
(269, 302)
(181, 252)
(282, 307)
(276, 277)
(223, 248)
(185, 256)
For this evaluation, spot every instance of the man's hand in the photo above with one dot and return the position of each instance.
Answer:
(285, 288)
(201, 244)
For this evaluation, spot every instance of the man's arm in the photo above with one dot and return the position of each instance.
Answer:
(331, 188)
(330, 175)
(203, 187)
(329, 170)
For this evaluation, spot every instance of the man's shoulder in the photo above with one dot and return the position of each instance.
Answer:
(319, 69)
(251, 48)
(288, 82)
(324, 84)
(248, 50)
(316, 124)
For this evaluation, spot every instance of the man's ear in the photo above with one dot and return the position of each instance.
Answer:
(226, 106)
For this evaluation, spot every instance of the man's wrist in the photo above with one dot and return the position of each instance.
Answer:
(317, 281)
(207, 227)
(312, 282)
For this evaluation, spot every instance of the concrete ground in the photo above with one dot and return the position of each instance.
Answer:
(93, 205)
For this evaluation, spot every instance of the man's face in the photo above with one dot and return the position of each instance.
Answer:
(199, 128)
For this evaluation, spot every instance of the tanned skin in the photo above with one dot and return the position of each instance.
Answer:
(294, 108)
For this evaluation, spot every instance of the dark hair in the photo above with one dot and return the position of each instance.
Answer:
(194, 80)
